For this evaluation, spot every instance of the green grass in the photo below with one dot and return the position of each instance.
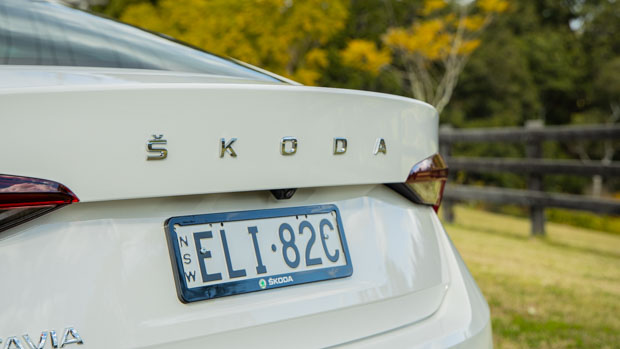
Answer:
(560, 291)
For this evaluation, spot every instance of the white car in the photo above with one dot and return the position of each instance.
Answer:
(156, 196)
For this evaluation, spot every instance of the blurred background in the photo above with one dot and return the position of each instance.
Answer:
(528, 94)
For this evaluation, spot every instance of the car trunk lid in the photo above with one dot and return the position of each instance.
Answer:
(93, 137)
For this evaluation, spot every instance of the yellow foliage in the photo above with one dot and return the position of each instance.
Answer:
(493, 6)
(451, 19)
(468, 46)
(149, 17)
(308, 71)
(277, 35)
(427, 38)
(474, 22)
(434, 49)
(396, 38)
(364, 55)
(306, 76)
(432, 38)
(431, 6)
(316, 58)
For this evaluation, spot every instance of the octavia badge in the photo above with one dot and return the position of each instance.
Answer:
(69, 336)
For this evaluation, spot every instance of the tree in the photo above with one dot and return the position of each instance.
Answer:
(283, 36)
(364, 55)
(599, 26)
(431, 52)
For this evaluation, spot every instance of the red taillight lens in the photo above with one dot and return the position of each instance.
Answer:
(426, 182)
(23, 198)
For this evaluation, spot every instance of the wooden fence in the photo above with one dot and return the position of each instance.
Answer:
(533, 134)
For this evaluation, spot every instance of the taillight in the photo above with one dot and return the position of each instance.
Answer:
(23, 198)
(426, 182)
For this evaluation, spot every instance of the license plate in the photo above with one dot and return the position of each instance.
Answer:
(223, 254)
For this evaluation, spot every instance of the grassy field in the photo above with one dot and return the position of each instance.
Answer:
(561, 291)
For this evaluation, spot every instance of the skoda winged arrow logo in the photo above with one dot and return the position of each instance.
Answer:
(262, 283)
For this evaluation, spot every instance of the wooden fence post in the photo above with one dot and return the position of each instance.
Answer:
(533, 150)
(447, 205)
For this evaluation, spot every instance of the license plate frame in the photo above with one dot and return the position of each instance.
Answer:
(230, 288)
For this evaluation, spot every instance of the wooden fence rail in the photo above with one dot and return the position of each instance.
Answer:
(532, 197)
(533, 134)
(533, 131)
(545, 166)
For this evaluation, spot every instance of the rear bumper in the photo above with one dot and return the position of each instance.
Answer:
(104, 269)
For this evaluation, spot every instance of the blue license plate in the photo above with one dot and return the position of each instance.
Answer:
(224, 254)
